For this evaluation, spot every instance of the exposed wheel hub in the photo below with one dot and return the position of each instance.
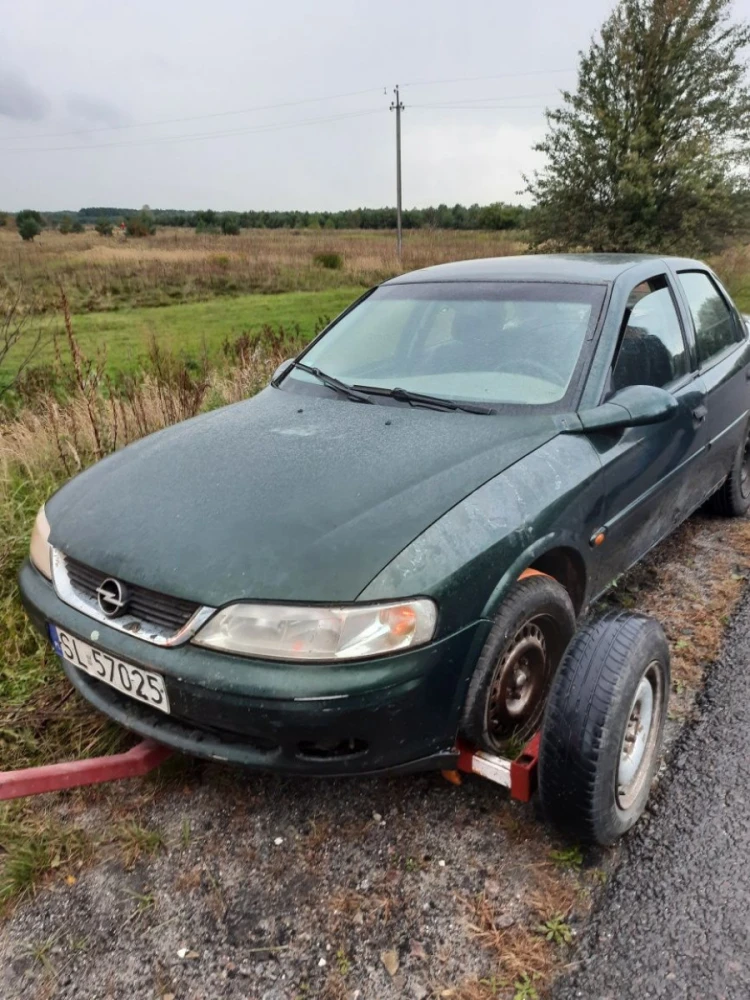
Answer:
(519, 685)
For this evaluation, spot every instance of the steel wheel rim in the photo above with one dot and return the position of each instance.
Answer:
(518, 686)
(640, 739)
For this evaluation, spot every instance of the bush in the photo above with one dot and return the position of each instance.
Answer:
(28, 228)
(77, 227)
(3, 219)
(66, 225)
(206, 228)
(230, 225)
(103, 227)
(330, 260)
(140, 225)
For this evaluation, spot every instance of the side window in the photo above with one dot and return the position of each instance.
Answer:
(652, 350)
(715, 328)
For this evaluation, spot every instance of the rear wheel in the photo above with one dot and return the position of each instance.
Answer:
(603, 727)
(732, 499)
(509, 687)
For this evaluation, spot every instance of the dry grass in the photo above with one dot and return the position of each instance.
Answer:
(40, 717)
(178, 265)
(691, 583)
(516, 939)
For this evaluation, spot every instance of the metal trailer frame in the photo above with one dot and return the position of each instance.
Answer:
(519, 775)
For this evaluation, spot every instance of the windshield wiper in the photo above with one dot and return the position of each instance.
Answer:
(333, 383)
(420, 399)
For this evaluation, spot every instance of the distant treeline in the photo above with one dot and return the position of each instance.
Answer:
(495, 216)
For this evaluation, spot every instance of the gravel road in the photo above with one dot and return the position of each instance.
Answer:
(675, 920)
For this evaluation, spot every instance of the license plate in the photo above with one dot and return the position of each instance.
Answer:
(144, 685)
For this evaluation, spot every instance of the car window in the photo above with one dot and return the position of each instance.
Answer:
(715, 328)
(652, 350)
(514, 343)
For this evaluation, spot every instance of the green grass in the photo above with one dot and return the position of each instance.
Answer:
(185, 329)
(32, 845)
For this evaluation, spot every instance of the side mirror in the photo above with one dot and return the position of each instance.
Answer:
(281, 370)
(635, 406)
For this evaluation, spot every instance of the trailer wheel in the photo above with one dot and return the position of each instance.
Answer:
(603, 727)
(508, 690)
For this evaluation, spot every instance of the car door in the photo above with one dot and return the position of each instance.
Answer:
(652, 473)
(723, 354)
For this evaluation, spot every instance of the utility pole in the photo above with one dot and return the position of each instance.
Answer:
(398, 107)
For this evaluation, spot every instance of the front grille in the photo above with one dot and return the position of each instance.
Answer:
(169, 613)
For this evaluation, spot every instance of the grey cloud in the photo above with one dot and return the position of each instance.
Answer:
(19, 99)
(95, 112)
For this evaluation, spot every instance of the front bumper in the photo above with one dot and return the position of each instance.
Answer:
(393, 713)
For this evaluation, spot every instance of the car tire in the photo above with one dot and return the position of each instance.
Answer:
(597, 756)
(508, 690)
(732, 499)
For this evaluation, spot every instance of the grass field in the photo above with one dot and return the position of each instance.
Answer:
(124, 337)
(177, 265)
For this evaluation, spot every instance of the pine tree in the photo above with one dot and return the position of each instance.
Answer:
(652, 151)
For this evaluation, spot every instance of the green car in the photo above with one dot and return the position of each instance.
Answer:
(381, 557)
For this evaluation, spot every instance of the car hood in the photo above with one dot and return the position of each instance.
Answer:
(281, 497)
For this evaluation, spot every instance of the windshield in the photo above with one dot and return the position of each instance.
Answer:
(515, 343)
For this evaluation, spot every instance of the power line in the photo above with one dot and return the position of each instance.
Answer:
(495, 97)
(253, 130)
(480, 107)
(195, 118)
(276, 106)
(477, 79)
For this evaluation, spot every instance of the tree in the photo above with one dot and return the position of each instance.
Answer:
(230, 224)
(29, 213)
(650, 152)
(66, 225)
(28, 228)
(77, 227)
(103, 227)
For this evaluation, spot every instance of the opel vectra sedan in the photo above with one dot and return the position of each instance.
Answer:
(386, 550)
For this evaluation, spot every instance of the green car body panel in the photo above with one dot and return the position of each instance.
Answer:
(316, 499)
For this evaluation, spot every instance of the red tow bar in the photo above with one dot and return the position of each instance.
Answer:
(73, 774)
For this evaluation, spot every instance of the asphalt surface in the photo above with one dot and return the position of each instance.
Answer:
(675, 920)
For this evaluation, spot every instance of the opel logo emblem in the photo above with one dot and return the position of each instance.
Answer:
(113, 598)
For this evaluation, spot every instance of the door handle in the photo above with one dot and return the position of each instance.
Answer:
(699, 414)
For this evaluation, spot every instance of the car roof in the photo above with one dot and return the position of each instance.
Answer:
(582, 267)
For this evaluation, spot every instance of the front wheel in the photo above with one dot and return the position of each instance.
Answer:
(508, 689)
(603, 727)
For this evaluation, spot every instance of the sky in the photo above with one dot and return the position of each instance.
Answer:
(241, 104)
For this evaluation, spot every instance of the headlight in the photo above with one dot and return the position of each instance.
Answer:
(41, 550)
(287, 632)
